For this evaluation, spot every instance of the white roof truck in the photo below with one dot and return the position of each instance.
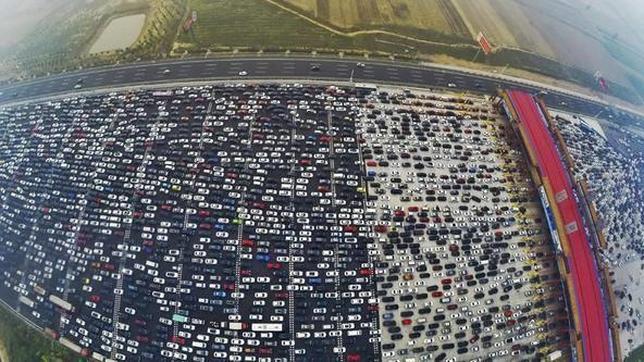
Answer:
(267, 327)
(61, 303)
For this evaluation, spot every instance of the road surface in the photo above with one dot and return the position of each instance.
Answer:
(281, 68)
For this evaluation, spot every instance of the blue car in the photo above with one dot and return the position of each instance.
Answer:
(219, 294)
(263, 257)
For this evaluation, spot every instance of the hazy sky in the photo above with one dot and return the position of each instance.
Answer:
(18, 17)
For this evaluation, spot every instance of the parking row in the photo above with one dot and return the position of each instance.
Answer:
(454, 270)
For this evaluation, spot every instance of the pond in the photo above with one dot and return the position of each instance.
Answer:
(120, 33)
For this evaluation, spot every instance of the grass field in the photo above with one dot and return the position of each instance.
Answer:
(23, 344)
(256, 24)
(637, 355)
(419, 29)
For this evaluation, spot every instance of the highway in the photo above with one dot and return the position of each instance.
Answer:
(583, 267)
(280, 68)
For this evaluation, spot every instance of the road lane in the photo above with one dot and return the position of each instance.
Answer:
(278, 68)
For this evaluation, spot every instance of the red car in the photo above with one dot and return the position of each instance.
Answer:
(265, 351)
(381, 229)
(229, 286)
(259, 205)
(365, 272)
(350, 229)
(274, 266)
(178, 340)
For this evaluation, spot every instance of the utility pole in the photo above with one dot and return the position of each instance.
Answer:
(476, 55)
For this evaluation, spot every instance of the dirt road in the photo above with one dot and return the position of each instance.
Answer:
(4, 357)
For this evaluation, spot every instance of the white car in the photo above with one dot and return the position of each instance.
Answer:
(243, 73)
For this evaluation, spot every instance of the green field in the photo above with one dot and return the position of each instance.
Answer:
(417, 30)
(252, 25)
(62, 42)
(256, 24)
(637, 355)
(23, 344)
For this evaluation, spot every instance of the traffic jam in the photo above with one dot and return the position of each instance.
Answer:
(462, 256)
(275, 222)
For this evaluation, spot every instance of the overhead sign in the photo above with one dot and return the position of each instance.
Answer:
(601, 81)
(484, 43)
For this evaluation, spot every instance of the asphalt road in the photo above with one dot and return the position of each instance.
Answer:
(281, 68)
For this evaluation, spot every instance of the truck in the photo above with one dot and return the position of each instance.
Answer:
(26, 301)
(267, 327)
(61, 303)
(179, 318)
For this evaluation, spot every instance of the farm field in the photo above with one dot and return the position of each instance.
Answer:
(582, 35)
(585, 34)
(504, 23)
(436, 15)
(257, 24)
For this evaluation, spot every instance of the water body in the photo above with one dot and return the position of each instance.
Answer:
(120, 33)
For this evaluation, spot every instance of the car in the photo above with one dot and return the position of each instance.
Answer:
(243, 73)
(232, 211)
(166, 71)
